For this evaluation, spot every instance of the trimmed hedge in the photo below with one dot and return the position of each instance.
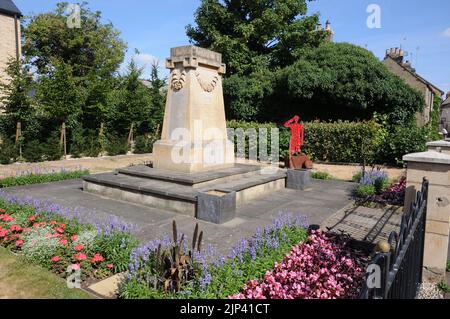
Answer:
(36, 178)
(349, 142)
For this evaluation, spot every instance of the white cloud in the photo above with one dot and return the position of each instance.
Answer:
(145, 60)
(446, 33)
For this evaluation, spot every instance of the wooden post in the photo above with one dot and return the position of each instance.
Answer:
(18, 136)
(130, 135)
(63, 141)
(18, 131)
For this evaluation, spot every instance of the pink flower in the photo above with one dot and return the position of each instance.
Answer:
(19, 243)
(73, 237)
(110, 266)
(16, 228)
(97, 258)
(80, 256)
(63, 241)
(55, 259)
(79, 247)
(32, 218)
(53, 222)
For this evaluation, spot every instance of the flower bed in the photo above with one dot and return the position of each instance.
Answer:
(323, 267)
(371, 182)
(62, 239)
(40, 175)
(395, 195)
(214, 275)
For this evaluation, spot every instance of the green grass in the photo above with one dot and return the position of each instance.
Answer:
(20, 280)
(442, 286)
(41, 178)
(321, 175)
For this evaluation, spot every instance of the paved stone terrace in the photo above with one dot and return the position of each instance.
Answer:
(323, 200)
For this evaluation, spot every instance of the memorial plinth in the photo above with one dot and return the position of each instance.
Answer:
(194, 135)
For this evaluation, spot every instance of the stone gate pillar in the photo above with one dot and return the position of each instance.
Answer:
(435, 166)
(194, 135)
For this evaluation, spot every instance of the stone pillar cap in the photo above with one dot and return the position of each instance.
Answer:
(428, 157)
(439, 144)
(191, 56)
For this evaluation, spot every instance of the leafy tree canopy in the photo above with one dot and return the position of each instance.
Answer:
(254, 34)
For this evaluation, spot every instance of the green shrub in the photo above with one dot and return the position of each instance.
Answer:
(401, 141)
(365, 190)
(8, 152)
(37, 178)
(116, 145)
(321, 175)
(85, 143)
(143, 145)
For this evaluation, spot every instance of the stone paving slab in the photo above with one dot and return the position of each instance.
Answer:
(323, 200)
(108, 288)
(364, 223)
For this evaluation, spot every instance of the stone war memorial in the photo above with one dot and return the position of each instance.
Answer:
(194, 169)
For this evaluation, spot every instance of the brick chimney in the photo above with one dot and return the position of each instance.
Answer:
(396, 54)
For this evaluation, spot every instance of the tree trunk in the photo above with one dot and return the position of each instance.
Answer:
(130, 135)
(63, 140)
(18, 131)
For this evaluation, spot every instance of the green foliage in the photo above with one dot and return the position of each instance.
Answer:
(38, 248)
(254, 34)
(14, 95)
(36, 178)
(85, 142)
(402, 141)
(363, 191)
(321, 175)
(444, 287)
(35, 151)
(143, 144)
(116, 145)
(435, 120)
(8, 152)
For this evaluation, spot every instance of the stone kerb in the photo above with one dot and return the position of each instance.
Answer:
(435, 166)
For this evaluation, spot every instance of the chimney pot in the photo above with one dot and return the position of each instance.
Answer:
(396, 51)
(402, 53)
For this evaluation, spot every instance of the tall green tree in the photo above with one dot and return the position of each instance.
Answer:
(254, 34)
(134, 101)
(60, 96)
(158, 99)
(15, 98)
(94, 53)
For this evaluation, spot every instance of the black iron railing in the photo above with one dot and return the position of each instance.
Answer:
(397, 274)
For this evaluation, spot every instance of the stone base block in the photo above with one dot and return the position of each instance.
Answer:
(191, 158)
(216, 207)
(298, 179)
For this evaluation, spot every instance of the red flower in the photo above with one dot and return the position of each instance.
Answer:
(32, 218)
(2, 210)
(63, 241)
(16, 228)
(19, 243)
(56, 259)
(4, 232)
(59, 230)
(97, 258)
(26, 230)
(110, 266)
(62, 225)
(79, 247)
(80, 256)
(73, 237)
(53, 222)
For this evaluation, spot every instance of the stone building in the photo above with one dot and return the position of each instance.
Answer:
(10, 36)
(445, 113)
(394, 61)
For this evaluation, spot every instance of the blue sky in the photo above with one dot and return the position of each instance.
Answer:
(422, 28)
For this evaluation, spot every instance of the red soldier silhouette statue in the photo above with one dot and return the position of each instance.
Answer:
(296, 158)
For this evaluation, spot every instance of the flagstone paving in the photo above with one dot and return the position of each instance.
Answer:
(323, 200)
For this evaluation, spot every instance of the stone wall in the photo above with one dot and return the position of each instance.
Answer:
(424, 117)
(8, 48)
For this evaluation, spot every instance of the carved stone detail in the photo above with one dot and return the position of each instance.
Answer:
(178, 80)
(207, 86)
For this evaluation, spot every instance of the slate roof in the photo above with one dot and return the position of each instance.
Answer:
(446, 102)
(8, 7)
